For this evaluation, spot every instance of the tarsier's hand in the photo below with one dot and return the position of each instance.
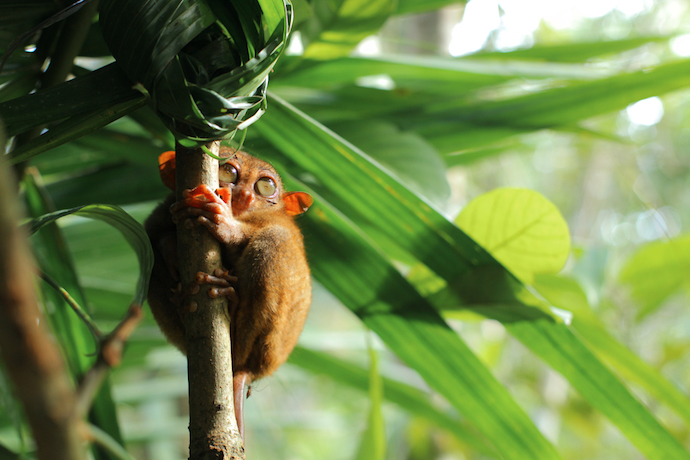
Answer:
(211, 210)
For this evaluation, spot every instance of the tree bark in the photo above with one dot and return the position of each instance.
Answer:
(31, 356)
(212, 425)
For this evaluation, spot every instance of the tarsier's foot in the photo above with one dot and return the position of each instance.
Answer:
(223, 284)
(181, 295)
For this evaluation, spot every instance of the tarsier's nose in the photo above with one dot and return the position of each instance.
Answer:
(241, 200)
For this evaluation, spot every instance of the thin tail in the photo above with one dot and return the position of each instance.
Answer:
(239, 381)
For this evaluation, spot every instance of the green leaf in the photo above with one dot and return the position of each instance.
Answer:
(453, 123)
(656, 271)
(416, 163)
(418, 6)
(565, 353)
(132, 231)
(351, 268)
(520, 228)
(476, 277)
(573, 52)
(357, 273)
(105, 87)
(373, 443)
(121, 184)
(362, 188)
(73, 128)
(465, 75)
(205, 63)
(338, 26)
(407, 397)
(391, 210)
(567, 293)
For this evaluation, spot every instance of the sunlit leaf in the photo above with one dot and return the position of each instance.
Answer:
(520, 228)
(338, 26)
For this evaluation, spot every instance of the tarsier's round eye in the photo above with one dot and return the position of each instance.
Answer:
(265, 186)
(228, 173)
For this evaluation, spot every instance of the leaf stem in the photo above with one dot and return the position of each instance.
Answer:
(104, 440)
(81, 313)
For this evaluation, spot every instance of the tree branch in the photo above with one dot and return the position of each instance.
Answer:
(212, 424)
(109, 356)
(31, 356)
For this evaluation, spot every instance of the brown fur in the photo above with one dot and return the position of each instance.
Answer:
(263, 248)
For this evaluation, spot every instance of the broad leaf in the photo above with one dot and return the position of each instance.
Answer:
(520, 228)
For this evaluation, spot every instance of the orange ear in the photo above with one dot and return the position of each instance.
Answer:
(166, 166)
(297, 202)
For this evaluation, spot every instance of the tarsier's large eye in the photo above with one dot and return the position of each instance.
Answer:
(265, 186)
(228, 173)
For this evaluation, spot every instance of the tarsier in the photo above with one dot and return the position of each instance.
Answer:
(266, 277)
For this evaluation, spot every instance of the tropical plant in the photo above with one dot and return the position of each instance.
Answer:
(372, 138)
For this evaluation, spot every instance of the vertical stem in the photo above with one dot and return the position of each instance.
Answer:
(212, 425)
(31, 356)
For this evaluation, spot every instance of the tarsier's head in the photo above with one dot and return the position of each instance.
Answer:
(253, 183)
